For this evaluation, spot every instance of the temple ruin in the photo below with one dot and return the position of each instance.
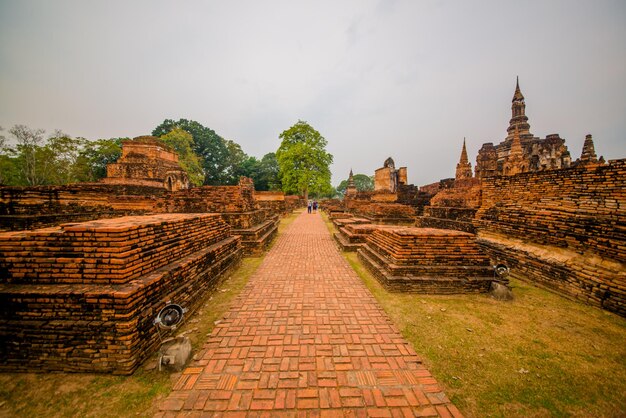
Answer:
(521, 151)
(556, 223)
(86, 267)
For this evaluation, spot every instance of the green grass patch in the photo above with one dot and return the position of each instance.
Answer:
(539, 355)
(98, 395)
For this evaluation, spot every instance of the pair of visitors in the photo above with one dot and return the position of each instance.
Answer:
(314, 206)
(309, 206)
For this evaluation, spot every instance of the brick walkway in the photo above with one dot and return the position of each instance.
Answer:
(306, 338)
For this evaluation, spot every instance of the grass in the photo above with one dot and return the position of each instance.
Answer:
(98, 395)
(540, 355)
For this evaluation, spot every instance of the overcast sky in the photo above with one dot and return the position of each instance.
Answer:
(406, 79)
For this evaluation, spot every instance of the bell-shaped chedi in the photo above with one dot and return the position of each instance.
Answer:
(351, 190)
(147, 161)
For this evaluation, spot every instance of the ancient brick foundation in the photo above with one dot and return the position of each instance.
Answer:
(24, 208)
(387, 213)
(352, 235)
(40, 206)
(273, 202)
(83, 297)
(454, 206)
(427, 261)
(563, 229)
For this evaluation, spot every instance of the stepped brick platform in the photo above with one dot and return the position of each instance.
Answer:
(82, 297)
(387, 213)
(341, 222)
(306, 338)
(352, 236)
(237, 206)
(427, 260)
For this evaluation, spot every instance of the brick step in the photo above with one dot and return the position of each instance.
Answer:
(106, 251)
(421, 284)
(103, 328)
(345, 244)
(255, 240)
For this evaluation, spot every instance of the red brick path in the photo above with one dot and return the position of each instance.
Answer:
(306, 339)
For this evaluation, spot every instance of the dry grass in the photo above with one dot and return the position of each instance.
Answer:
(93, 395)
(538, 356)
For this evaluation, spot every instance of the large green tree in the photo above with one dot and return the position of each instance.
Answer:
(362, 182)
(182, 142)
(91, 164)
(209, 146)
(303, 161)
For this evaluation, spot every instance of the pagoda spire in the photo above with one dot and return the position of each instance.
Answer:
(351, 189)
(589, 151)
(518, 114)
(463, 168)
(464, 158)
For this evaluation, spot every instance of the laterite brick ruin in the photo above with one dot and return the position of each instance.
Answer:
(84, 268)
(81, 293)
(554, 221)
(82, 297)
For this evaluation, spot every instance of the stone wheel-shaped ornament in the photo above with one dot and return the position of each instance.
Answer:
(170, 316)
(501, 270)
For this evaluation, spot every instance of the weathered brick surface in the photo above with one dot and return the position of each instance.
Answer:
(33, 207)
(306, 338)
(97, 323)
(354, 235)
(454, 206)
(272, 201)
(427, 260)
(40, 206)
(105, 251)
(577, 213)
(387, 213)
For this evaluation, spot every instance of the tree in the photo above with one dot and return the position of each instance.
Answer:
(29, 157)
(303, 161)
(9, 171)
(269, 173)
(182, 142)
(362, 183)
(61, 153)
(91, 164)
(209, 146)
(234, 164)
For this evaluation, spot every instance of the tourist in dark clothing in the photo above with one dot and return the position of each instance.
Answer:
(314, 206)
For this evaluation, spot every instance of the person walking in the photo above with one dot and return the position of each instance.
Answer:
(315, 206)
(308, 207)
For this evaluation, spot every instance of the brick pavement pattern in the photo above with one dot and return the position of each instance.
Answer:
(306, 338)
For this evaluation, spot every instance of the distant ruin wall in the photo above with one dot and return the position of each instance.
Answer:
(582, 209)
(35, 207)
(563, 229)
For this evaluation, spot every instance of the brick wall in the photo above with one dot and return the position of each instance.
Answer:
(562, 229)
(582, 209)
(78, 323)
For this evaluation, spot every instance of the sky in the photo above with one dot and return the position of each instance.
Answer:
(401, 79)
